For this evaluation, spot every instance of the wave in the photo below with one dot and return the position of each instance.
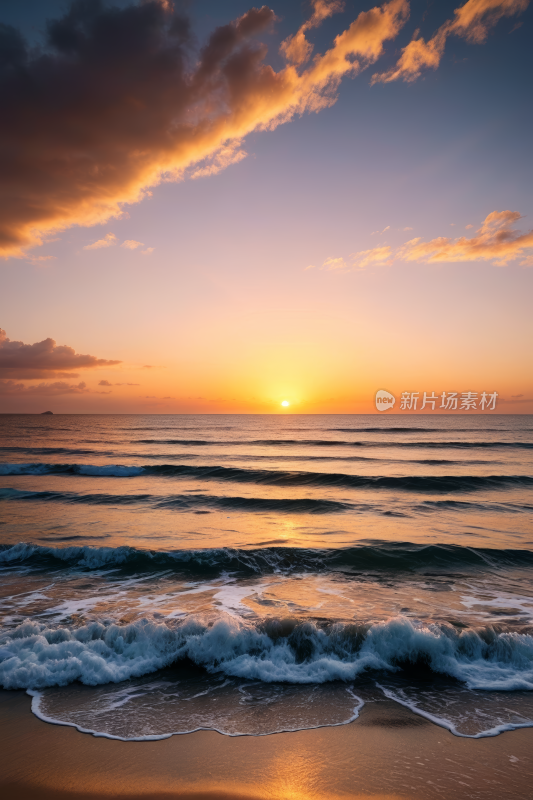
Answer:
(45, 451)
(111, 470)
(383, 429)
(280, 478)
(463, 505)
(332, 443)
(384, 557)
(35, 656)
(191, 502)
(183, 427)
(363, 429)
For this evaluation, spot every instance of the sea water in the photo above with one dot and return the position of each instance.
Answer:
(255, 574)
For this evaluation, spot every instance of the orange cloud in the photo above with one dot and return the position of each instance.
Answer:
(43, 359)
(472, 22)
(496, 241)
(131, 244)
(36, 259)
(108, 241)
(377, 256)
(297, 49)
(108, 384)
(11, 389)
(334, 264)
(476, 17)
(88, 126)
(227, 155)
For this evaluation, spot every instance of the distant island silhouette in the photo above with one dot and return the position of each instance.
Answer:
(47, 412)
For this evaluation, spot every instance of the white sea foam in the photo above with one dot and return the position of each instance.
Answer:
(148, 710)
(36, 656)
(444, 717)
(36, 707)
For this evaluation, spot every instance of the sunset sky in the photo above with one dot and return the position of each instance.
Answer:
(214, 208)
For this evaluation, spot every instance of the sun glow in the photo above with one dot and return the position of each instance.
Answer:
(285, 403)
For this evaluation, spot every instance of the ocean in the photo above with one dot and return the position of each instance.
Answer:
(252, 574)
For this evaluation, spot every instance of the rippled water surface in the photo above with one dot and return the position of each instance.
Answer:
(250, 574)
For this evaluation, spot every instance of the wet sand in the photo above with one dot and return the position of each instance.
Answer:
(389, 752)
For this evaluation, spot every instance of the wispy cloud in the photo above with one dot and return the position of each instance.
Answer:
(229, 154)
(38, 259)
(377, 256)
(334, 264)
(109, 240)
(107, 383)
(497, 240)
(471, 22)
(297, 49)
(9, 388)
(131, 244)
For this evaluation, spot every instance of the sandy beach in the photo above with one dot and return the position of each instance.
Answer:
(388, 752)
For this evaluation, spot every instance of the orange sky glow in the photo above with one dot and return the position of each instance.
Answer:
(320, 202)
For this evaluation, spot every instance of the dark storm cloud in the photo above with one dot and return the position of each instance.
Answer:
(116, 101)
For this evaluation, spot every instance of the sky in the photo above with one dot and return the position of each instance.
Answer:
(208, 207)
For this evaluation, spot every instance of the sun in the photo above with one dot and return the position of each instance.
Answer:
(285, 403)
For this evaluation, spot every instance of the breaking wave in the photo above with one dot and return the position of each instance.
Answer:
(392, 556)
(35, 656)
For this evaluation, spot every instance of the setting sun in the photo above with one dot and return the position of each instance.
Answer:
(285, 403)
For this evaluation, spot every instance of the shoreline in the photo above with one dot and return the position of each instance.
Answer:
(388, 752)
